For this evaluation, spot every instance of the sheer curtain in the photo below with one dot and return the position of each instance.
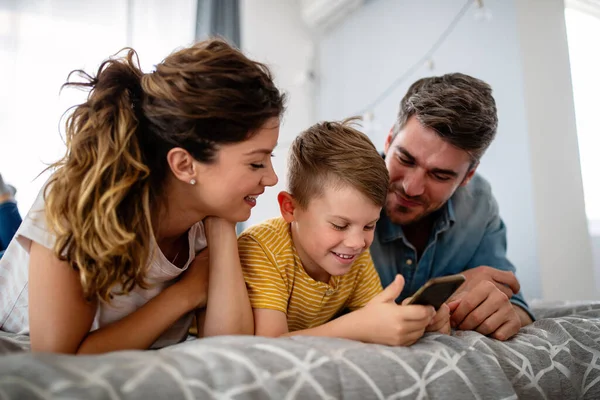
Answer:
(41, 41)
(219, 17)
(583, 28)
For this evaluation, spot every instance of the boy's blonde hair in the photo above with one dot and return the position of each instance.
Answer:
(334, 153)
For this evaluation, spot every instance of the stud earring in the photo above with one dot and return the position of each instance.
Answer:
(192, 181)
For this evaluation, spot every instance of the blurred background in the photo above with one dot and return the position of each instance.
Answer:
(338, 58)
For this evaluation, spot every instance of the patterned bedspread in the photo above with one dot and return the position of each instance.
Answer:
(555, 358)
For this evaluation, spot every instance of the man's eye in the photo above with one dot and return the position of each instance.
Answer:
(405, 161)
(441, 178)
(338, 227)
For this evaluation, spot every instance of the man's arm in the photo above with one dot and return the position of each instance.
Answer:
(492, 303)
(523, 315)
(492, 252)
(505, 281)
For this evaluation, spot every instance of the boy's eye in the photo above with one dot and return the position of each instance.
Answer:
(338, 227)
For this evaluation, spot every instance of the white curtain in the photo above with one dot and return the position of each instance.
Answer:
(41, 41)
(583, 28)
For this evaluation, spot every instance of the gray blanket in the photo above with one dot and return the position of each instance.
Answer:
(555, 358)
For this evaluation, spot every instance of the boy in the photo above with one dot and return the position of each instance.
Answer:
(305, 267)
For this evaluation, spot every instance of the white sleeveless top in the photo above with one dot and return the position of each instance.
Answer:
(14, 268)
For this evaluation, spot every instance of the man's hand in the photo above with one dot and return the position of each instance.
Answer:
(505, 281)
(485, 309)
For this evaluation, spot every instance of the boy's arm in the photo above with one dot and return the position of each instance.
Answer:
(272, 323)
(266, 286)
(382, 321)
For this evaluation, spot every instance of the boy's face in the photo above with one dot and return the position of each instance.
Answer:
(333, 231)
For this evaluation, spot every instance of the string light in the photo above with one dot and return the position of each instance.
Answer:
(429, 64)
(482, 12)
(426, 60)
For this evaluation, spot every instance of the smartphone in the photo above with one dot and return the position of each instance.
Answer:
(437, 290)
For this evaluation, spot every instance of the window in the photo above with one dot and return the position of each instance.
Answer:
(583, 32)
(41, 42)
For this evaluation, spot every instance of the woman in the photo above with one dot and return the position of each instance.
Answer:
(109, 257)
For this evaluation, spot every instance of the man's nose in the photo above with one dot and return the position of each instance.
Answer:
(414, 183)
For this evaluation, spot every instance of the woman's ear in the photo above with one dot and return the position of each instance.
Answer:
(182, 165)
(287, 205)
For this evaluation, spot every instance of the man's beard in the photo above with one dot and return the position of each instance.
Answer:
(399, 210)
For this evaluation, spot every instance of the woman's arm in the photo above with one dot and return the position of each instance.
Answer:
(56, 296)
(228, 310)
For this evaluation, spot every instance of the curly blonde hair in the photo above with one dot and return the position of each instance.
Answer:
(103, 193)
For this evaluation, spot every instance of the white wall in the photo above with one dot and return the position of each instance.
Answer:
(384, 38)
(273, 33)
(521, 52)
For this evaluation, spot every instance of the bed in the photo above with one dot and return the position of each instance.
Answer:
(555, 358)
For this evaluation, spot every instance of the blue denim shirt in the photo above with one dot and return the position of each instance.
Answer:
(468, 233)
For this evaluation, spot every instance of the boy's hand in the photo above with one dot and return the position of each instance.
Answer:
(440, 322)
(385, 322)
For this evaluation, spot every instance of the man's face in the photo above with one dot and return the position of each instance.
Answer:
(425, 171)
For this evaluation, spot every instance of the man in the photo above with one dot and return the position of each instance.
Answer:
(440, 217)
(10, 219)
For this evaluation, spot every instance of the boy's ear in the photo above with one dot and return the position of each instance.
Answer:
(287, 205)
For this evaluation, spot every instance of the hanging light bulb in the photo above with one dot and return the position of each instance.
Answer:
(482, 13)
(370, 126)
(429, 64)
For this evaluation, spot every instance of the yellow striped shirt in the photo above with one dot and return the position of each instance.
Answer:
(276, 279)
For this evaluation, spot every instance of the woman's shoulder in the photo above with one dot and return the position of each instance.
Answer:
(197, 236)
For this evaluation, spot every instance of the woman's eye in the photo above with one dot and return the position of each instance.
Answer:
(257, 166)
(369, 227)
